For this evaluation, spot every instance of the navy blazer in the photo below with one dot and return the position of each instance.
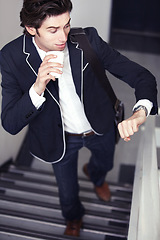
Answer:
(20, 62)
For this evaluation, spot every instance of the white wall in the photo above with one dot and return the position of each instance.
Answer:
(85, 13)
(9, 29)
(9, 20)
(92, 13)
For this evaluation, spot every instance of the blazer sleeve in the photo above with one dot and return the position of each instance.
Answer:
(17, 107)
(124, 69)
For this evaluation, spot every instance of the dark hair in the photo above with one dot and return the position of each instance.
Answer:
(34, 12)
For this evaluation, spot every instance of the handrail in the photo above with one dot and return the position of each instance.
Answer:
(145, 209)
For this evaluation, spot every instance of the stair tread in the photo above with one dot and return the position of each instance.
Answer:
(12, 186)
(43, 236)
(23, 170)
(20, 216)
(30, 196)
(125, 196)
(34, 234)
(110, 216)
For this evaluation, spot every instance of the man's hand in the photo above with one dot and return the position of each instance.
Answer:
(131, 125)
(44, 73)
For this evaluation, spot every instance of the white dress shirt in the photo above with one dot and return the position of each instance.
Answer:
(74, 118)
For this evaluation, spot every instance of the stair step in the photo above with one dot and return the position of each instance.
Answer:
(50, 210)
(30, 209)
(16, 233)
(11, 233)
(52, 225)
(48, 176)
(20, 179)
(10, 186)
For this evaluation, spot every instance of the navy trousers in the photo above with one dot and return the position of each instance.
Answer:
(101, 161)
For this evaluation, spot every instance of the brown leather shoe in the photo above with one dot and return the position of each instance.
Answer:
(102, 192)
(73, 228)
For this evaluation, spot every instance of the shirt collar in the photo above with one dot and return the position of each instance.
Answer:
(42, 53)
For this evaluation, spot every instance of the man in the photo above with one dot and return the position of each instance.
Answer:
(73, 111)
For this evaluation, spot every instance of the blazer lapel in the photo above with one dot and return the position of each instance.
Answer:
(34, 61)
(32, 57)
(76, 65)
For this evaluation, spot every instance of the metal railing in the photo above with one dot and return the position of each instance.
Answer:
(145, 210)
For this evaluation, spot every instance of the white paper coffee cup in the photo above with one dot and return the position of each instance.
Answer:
(58, 59)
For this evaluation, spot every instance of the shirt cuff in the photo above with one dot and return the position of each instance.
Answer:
(146, 103)
(36, 99)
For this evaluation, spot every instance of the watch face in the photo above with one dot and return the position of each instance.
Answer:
(141, 107)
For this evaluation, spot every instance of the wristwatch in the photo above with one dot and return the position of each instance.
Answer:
(139, 108)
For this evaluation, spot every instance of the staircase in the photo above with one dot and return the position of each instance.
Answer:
(29, 208)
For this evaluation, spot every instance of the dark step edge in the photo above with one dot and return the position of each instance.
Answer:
(113, 217)
(31, 170)
(6, 185)
(6, 165)
(87, 227)
(33, 234)
(115, 194)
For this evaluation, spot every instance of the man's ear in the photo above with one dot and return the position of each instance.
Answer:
(31, 30)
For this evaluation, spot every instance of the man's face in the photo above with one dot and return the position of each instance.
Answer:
(53, 33)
